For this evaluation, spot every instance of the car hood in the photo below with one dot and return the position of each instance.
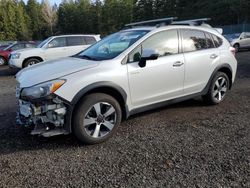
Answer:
(51, 70)
(3, 51)
(28, 50)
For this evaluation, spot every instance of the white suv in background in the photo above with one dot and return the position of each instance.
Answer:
(52, 48)
(240, 40)
(128, 72)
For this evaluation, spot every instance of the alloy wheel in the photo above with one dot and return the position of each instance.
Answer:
(32, 63)
(100, 120)
(220, 89)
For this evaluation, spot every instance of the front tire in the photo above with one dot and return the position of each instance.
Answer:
(96, 118)
(30, 62)
(217, 89)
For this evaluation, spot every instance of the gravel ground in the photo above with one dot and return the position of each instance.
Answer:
(182, 145)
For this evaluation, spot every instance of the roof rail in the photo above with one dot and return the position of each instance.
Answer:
(156, 22)
(195, 22)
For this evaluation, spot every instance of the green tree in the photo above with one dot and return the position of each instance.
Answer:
(49, 16)
(36, 22)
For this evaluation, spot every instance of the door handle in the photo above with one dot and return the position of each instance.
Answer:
(135, 72)
(213, 56)
(178, 64)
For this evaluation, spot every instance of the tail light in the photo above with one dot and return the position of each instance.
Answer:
(232, 50)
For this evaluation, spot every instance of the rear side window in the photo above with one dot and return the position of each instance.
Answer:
(217, 41)
(209, 41)
(75, 41)
(248, 35)
(90, 40)
(193, 40)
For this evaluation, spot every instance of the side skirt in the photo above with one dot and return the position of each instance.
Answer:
(162, 104)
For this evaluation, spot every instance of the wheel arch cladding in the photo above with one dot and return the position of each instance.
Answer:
(228, 72)
(33, 57)
(226, 68)
(101, 87)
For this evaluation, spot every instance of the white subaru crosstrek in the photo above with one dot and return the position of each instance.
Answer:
(128, 72)
(52, 48)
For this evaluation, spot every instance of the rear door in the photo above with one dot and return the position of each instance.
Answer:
(201, 56)
(75, 44)
(161, 79)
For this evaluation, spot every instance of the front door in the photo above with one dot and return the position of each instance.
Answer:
(56, 48)
(160, 79)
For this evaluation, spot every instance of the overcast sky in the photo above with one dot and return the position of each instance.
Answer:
(52, 2)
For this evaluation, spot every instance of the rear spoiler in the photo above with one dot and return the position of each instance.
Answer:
(220, 30)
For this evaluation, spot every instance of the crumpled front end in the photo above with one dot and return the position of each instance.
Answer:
(46, 115)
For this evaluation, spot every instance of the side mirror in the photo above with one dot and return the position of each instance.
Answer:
(148, 54)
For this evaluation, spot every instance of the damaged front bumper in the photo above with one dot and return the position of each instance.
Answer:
(47, 117)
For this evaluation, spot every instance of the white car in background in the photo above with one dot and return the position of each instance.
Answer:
(239, 40)
(52, 48)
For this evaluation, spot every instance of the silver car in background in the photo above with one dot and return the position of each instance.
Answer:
(239, 40)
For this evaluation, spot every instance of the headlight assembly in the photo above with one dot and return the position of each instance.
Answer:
(15, 56)
(42, 90)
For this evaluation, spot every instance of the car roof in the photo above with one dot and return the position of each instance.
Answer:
(162, 28)
(77, 35)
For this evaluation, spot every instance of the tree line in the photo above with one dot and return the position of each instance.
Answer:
(36, 21)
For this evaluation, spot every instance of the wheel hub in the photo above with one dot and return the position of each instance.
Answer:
(100, 119)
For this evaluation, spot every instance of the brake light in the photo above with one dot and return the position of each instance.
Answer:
(232, 50)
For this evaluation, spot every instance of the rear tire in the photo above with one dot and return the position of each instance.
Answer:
(217, 89)
(2, 61)
(96, 118)
(237, 47)
(30, 62)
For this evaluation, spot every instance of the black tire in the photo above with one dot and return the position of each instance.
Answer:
(237, 47)
(30, 62)
(212, 99)
(83, 132)
(2, 61)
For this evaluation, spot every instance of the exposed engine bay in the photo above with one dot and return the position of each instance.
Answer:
(46, 117)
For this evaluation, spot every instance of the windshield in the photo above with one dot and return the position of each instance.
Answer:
(43, 43)
(112, 46)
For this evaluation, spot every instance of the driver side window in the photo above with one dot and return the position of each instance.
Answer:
(165, 43)
(57, 42)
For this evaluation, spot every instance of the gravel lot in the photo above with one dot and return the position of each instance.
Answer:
(182, 145)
